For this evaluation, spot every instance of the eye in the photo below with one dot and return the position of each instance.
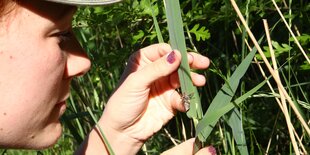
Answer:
(64, 36)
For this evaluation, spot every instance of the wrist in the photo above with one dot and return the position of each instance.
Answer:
(120, 143)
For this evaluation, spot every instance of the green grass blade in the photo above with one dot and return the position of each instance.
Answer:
(288, 82)
(76, 130)
(213, 117)
(223, 98)
(79, 126)
(157, 29)
(177, 41)
(235, 122)
(106, 142)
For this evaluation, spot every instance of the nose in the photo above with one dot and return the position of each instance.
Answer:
(78, 62)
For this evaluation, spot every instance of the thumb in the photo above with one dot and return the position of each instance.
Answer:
(187, 148)
(159, 68)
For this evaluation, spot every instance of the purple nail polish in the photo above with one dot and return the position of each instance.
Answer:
(212, 150)
(171, 57)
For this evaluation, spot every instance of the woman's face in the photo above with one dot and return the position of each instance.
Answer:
(38, 59)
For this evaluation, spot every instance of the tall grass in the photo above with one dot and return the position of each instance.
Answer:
(256, 100)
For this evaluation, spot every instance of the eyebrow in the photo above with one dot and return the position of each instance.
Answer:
(66, 13)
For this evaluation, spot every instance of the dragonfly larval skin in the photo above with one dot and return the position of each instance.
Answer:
(186, 100)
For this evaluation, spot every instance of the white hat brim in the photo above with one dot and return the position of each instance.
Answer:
(86, 2)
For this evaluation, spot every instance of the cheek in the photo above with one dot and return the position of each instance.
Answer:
(42, 76)
(30, 85)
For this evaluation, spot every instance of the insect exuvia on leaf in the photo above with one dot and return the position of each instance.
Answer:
(186, 100)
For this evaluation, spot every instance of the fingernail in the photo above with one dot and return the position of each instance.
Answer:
(212, 150)
(171, 57)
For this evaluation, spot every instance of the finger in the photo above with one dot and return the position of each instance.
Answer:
(198, 80)
(174, 80)
(158, 69)
(176, 103)
(207, 150)
(187, 148)
(197, 61)
(153, 52)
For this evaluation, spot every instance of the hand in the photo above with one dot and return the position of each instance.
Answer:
(186, 148)
(146, 98)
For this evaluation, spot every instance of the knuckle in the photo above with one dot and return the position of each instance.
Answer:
(161, 69)
(164, 47)
(133, 59)
(157, 68)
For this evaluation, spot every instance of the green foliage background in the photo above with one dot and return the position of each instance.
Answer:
(109, 34)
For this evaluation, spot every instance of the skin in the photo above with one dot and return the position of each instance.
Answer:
(36, 74)
(137, 110)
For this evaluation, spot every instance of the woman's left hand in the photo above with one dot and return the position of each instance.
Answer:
(146, 98)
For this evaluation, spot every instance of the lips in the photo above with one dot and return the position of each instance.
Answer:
(61, 106)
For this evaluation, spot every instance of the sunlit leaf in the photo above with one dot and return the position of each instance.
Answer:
(201, 33)
(223, 99)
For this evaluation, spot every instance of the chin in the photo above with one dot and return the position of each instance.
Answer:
(38, 142)
(50, 138)
(46, 139)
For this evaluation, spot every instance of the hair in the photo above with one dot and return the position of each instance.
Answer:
(6, 6)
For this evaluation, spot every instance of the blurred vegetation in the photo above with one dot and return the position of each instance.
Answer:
(109, 34)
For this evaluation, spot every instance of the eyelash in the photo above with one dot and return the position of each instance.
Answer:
(64, 36)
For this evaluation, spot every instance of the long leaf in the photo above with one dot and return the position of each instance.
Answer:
(177, 41)
(157, 28)
(235, 122)
(105, 140)
(223, 98)
(213, 117)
